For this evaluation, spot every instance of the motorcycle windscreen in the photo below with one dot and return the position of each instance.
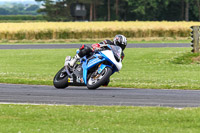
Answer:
(110, 57)
(117, 51)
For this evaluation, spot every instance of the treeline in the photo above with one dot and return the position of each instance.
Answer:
(19, 9)
(21, 17)
(125, 10)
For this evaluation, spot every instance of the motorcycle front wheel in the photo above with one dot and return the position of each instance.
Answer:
(96, 80)
(60, 80)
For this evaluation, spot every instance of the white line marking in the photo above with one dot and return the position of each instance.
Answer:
(34, 104)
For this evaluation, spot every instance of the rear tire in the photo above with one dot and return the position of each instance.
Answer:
(60, 81)
(106, 73)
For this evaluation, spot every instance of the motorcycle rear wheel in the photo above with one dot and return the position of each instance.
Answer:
(101, 79)
(60, 80)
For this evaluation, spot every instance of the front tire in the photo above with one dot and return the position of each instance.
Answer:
(60, 80)
(96, 81)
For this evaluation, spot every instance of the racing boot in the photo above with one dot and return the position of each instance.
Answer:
(67, 60)
(74, 60)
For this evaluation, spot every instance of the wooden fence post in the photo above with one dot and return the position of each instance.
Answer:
(195, 34)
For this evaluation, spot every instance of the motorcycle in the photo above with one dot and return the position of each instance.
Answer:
(92, 71)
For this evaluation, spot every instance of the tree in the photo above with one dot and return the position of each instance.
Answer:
(32, 8)
(92, 8)
(187, 10)
(48, 9)
(56, 10)
(198, 9)
(117, 9)
(4, 11)
(108, 10)
(182, 9)
(147, 9)
(91, 12)
(17, 9)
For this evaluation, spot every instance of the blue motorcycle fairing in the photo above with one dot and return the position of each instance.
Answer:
(100, 69)
(93, 62)
(86, 65)
(84, 73)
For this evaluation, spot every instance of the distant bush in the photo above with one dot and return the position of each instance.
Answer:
(21, 17)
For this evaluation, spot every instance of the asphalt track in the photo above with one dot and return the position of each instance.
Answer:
(65, 46)
(35, 94)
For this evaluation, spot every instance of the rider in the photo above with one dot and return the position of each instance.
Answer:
(119, 40)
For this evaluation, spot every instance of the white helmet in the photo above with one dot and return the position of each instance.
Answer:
(120, 40)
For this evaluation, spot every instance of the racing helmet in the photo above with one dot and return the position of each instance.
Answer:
(120, 40)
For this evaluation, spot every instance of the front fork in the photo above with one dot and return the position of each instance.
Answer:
(66, 64)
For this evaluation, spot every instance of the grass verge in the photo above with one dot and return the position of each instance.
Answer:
(142, 68)
(188, 58)
(117, 119)
(91, 41)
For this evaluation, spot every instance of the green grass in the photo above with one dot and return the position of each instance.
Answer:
(187, 58)
(158, 68)
(142, 68)
(92, 119)
(92, 41)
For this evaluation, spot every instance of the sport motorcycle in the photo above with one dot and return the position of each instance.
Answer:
(92, 70)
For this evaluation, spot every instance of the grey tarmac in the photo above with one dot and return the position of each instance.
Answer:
(37, 94)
